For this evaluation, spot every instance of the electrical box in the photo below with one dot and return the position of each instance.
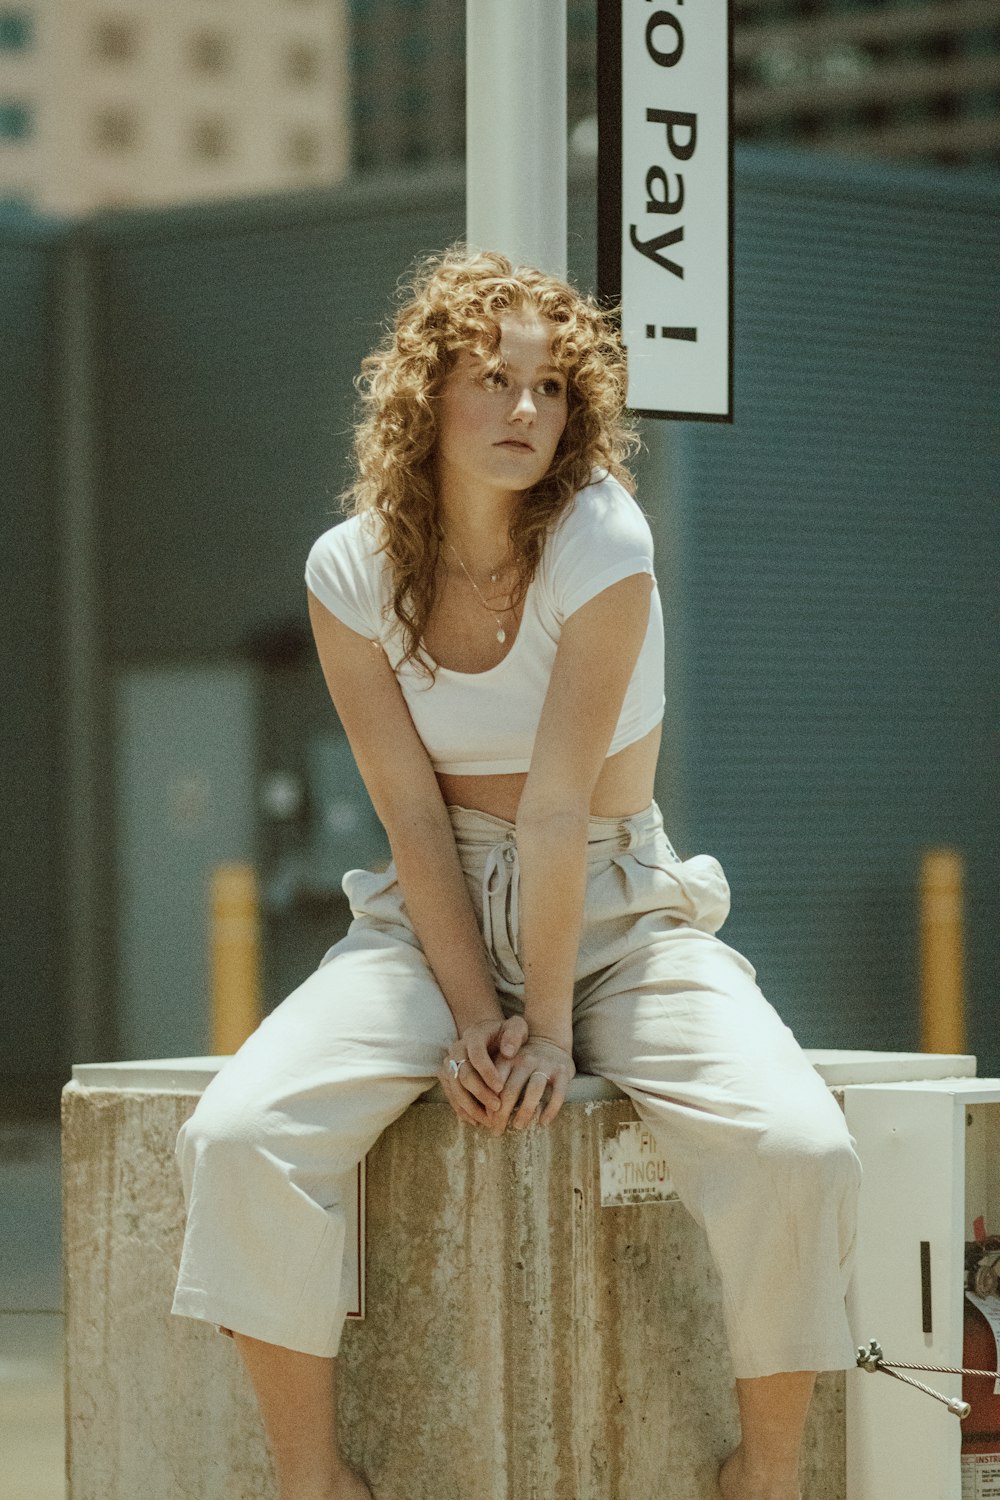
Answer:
(931, 1158)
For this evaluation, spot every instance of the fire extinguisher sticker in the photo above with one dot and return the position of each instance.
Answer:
(990, 1309)
(980, 1476)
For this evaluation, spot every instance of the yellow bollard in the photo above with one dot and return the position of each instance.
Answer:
(236, 959)
(941, 952)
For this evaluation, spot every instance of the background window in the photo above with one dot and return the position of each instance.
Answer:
(302, 63)
(116, 128)
(210, 139)
(211, 52)
(115, 39)
(15, 120)
(303, 148)
(16, 31)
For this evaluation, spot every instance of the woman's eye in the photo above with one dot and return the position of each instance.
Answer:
(552, 387)
(495, 378)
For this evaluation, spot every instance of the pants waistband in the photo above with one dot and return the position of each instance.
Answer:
(494, 840)
(605, 836)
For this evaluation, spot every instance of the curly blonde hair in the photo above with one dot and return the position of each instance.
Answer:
(454, 300)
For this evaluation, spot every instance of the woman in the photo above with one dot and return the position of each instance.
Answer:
(490, 631)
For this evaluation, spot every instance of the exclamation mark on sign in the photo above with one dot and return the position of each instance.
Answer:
(690, 334)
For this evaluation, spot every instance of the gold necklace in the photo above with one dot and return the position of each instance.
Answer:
(501, 633)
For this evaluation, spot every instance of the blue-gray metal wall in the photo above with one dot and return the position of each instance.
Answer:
(32, 954)
(838, 551)
(823, 560)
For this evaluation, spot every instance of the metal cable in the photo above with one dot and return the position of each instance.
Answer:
(872, 1360)
(945, 1370)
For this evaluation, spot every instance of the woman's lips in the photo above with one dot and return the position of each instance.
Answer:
(514, 443)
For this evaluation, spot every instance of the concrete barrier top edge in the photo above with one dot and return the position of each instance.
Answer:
(190, 1075)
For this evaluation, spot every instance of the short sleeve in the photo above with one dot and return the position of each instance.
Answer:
(604, 538)
(341, 571)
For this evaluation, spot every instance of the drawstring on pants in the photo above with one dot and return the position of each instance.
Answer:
(501, 887)
(502, 879)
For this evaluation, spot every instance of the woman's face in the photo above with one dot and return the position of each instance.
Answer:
(503, 429)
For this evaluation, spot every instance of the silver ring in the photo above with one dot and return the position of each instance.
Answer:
(540, 1073)
(456, 1066)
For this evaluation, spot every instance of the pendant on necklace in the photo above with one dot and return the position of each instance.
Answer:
(501, 636)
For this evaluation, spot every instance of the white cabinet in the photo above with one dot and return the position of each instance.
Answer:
(931, 1157)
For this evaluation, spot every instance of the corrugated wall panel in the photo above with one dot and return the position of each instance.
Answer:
(839, 551)
(31, 731)
(228, 401)
(229, 351)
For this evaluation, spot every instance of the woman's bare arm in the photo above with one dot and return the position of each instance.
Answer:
(598, 649)
(397, 772)
(437, 899)
(597, 653)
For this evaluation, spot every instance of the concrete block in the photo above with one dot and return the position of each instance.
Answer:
(521, 1342)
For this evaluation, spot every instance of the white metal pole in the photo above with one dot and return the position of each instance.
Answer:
(515, 130)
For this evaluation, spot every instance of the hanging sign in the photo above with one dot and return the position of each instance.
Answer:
(665, 199)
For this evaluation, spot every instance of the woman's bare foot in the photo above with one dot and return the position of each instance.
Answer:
(346, 1486)
(350, 1486)
(735, 1484)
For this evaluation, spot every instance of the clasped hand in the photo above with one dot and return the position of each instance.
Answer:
(507, 1075)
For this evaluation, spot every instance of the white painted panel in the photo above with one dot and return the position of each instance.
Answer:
(911, 1140)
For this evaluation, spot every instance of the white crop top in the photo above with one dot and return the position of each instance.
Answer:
(480, 723)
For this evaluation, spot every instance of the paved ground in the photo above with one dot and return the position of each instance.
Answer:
(31, 1321)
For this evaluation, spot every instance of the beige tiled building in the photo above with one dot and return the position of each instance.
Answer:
(106, 102)
(150, 101)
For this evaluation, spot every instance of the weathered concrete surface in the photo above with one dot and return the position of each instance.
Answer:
(521, 1342)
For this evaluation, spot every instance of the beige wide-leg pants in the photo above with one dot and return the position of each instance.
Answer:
(758, 1148)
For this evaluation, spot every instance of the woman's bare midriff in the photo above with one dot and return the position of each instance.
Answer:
(624, 786)
(458, 637)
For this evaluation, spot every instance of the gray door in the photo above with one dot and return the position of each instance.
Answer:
(185, 803)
